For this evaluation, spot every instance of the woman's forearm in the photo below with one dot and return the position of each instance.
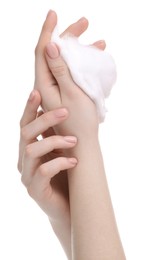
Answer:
(94, 230)
(62, 229)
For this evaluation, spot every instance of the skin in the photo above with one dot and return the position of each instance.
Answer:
(45, 83)
(59, 215)
(94, 231)
(40, 161)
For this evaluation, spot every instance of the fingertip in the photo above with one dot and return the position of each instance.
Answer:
(73, 161)
(50, 22)
(100, 44)
(77, 28)
(31, 96)
(84, 21)
(51, 18)
(61, 112)
(81, 25)
(34, 97)
(50, 13)
(31, 107)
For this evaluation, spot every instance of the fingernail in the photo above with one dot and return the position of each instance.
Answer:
(101, 42)
(73, 161)
(49, 12)
(31, 96)
(70, 139)
(61, 112)
(52, 50)
(82, 19)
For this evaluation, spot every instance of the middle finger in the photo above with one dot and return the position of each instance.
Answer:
(42, 123)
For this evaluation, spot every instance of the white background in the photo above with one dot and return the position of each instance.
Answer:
(25, 232)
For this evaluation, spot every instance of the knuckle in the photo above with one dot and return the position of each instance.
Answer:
(42, 170)
(24, 133)
(47, 119)
(19, 166)
(59, 70)
(39, 49)
(23, 180)
(62, 163)
(21, 123)
(56, 142)
(36, 51)
(30, 191)
(47, 192)
(28, 151)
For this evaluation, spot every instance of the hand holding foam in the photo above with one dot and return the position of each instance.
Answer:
(92, 69)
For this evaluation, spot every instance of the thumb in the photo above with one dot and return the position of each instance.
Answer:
(58, 67)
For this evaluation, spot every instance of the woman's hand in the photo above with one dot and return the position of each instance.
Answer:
(83, 121)
(44, 167)
(95, 234)
(55, 84)
(39, 164)
(44, 80)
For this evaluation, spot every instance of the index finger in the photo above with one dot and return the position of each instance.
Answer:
(47, 29)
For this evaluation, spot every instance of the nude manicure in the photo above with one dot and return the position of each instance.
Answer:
(73, 160)
(52, 50)
(70, 139)
(61, 112)
(31, 96)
